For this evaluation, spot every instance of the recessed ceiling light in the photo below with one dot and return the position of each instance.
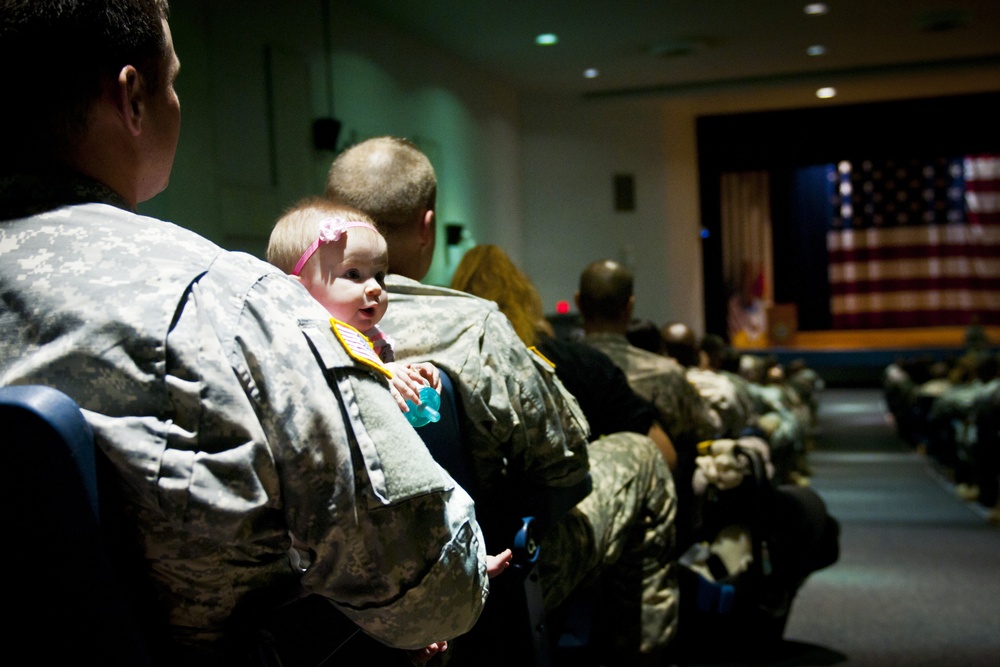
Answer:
(816, 8)
(816, 50)
(591, 72)
(546, 39)
(826, 93)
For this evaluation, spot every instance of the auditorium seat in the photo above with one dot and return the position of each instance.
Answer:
(66, 604)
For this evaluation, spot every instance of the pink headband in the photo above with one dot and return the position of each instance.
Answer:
(330, 230)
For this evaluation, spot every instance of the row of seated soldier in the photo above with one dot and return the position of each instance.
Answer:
(706, 424)
(949, 409)
(235, 432)
(748, 392)
(255, 458)
(605, 508)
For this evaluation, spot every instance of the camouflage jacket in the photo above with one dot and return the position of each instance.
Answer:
(734, 408)
(525, 431)
(235, 418)
(681, 410)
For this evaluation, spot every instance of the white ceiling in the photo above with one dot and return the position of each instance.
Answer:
(661, 47)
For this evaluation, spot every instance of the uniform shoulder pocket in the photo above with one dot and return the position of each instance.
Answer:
(390, 453)
(547, 370)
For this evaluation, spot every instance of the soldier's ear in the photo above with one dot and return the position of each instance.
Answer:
(428, 228)
(129, 99)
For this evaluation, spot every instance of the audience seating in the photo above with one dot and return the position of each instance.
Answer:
(74, 600)
(948, 410)
(67, 603)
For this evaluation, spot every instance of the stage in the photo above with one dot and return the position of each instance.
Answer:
(858, 357)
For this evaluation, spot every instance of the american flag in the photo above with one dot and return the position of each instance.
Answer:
(915, 243)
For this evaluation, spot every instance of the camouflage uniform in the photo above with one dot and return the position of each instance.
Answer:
(235, 419)
(624, 532)
(786, 431)
(526, 434)
(681, 410)
(734, 408)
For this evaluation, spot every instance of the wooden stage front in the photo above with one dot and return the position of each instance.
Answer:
(858, 357)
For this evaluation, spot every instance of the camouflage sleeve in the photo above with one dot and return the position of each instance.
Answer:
(719, 394)
(393, 540)
(683, 412)
(704, 421)
(524, 410)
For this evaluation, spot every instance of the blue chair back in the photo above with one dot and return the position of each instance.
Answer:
(66, 597)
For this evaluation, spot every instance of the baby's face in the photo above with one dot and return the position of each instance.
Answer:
(349, 279)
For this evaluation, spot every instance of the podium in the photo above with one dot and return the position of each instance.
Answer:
(782, 324)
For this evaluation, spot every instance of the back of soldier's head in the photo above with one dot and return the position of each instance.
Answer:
(715, 348)
(645, 335)
(605, 291)
(681, 343)
(55, 58)
(388, 178)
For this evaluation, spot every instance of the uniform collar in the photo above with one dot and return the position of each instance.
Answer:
(32, 192)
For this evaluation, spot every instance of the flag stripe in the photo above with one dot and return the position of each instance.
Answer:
(915, 268)
(971, 283)
(923, 253)
(906, 236)
(916, 244)
(912, 318)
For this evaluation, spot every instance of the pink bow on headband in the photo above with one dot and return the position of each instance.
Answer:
(330, 231)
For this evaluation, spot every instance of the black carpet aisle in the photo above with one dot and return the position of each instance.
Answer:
(918, 581)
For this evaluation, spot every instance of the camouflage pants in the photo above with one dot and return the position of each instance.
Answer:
(622, 536)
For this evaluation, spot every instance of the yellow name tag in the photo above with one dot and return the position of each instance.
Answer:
(358, 346)
(541, 356)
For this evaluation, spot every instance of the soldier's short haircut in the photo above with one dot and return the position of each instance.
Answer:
(388, 178)
(605, 290)
(681, 343)
(55, 56)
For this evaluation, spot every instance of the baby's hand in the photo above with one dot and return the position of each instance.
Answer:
(429, 373)
(426, 653)
(405, 384)
(495, 565)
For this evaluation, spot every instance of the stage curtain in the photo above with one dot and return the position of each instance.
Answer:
(747, 260)
(915, 243)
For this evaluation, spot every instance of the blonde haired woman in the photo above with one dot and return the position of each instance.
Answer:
(487, 272)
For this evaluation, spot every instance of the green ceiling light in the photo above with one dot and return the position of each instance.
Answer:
(546, 39)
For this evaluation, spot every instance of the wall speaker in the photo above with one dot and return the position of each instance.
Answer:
(325, 133)
(624, 192)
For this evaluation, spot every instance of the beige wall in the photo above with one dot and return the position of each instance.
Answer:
(573, 148)
(530, 173)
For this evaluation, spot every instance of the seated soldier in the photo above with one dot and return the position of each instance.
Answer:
(718, 390)
(232, 419)
(786, 430)
(605, 302)
(525, 432)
